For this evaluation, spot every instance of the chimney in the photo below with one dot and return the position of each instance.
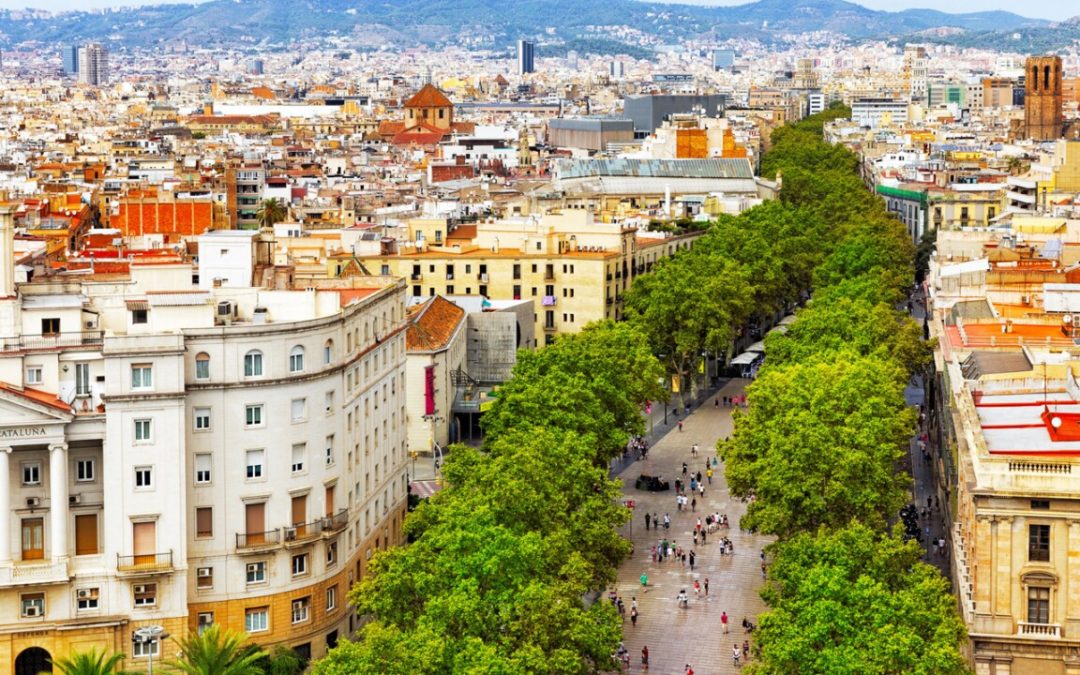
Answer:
(7, 252)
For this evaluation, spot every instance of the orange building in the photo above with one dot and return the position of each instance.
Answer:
(146, 211)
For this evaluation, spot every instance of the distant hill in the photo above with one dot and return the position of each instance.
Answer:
(491, 23)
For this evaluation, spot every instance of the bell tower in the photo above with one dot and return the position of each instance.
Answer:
(1042, 98)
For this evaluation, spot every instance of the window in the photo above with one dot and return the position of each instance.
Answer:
(31, 473)
(202, 419)
(1038, 605)
(86, 534)
(139, 316)
(254, 464)
(204, 521)
(152, 647)
(328, 351)
(142, 377)
(84, 470)
(1040, 504)
(50, 326)
(33, 374)
(206, 619)
(144, 477)
(331, 554)
(300, 564)
(203, 462)
(202, 366)
(256, 619)
(299, 409)
(86, 599)
(299, 452)
(33, 604)
(296, 360)
(1039, 543)
(145, 595)
(301, 609)
(330, 450)
(253, 415)
(331, 598)
(253, 364)
(204, 577)
(142, 430)
(256, 572)
(329, 402)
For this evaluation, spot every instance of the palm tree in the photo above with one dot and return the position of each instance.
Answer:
(271, 211)
(88, 663)
(217, 652)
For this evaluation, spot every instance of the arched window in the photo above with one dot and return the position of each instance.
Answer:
(296, 359)
(1046, 77)
(253, 364)
(328, 352)
(202, 366)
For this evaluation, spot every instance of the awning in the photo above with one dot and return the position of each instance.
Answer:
(758, 346)
(745, 359)
(137, 304)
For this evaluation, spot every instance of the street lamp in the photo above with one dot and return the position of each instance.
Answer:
(146, 635)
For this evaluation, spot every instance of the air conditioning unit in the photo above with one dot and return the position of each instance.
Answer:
(138, 589)
(225, 308)
(84, 594)
(32, 610)
(290, 533)
(204, 572)
(74, 499)
(33, 501)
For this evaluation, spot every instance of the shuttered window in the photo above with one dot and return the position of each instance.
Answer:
(86, 534)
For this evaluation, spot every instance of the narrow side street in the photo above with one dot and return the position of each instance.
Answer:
(679, 636)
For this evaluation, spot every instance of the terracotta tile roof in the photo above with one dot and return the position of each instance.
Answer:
(37, 396)
(432, 324)
(428, 97)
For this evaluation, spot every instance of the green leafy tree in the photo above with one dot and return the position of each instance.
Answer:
(281, 660)
(217, 651)
(90, 662)
(856, 602)
(271, 212)
(819, 444)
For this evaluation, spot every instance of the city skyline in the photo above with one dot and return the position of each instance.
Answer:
(1053, 12)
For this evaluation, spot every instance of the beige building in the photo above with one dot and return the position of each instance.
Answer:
(435, 345)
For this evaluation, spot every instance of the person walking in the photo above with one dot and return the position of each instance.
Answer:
(693, 504)
(708, 474)
(723, 620)
(697, 588)
(693, 450)
(706, 587)
(680, 425)
(645, 584)
(645, 657)
(693, 557)
(633, 616)
(648, 519)
(735, 654)
(667, 521)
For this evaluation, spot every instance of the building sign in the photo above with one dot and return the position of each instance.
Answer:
(23, 432)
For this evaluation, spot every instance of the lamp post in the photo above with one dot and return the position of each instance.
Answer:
(146, 635)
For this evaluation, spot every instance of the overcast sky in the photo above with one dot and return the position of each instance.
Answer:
(1053, 9)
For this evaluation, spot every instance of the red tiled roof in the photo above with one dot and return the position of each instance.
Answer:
(428, 97)
(37, 396)
(432, 324)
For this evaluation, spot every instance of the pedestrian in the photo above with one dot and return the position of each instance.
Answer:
(645, 657)
(645, 583)
(723, 620)
(701, 490)
(716, 402)
(648, 519)
(714, 461)
(680, 425)
(678, 486)
(678, 502)
(697, 527)
(633, 617)
(654, 554)
(746, 648)
(693, 504)
(667, 521)
(703, 533)
(697, 588)
(655, 521)
(689, 670)
(684, 468)
(693, 556)
(735, 654)
(695, 539)
(706, 587)
(693, 450)
(763, 569)
(699, 477)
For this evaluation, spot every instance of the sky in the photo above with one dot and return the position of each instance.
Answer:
(1053, 9)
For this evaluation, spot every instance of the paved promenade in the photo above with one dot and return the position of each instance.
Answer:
(677, 636)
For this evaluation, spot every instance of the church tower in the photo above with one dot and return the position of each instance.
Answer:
(1042, 98)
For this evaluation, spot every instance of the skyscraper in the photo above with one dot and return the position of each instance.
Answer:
(1042, 98)
(70, 55)
(93, 64)
(526, 57)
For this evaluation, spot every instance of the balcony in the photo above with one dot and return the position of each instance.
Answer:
(146, 563)
(335, 523)
(1038, 630)
(549, 275)
(549, 328)
(26, 343)
(483, 277)
(416, 276)
(548, 301)
(449, 276)
(34, 573)
(258, 541)
(303, 533)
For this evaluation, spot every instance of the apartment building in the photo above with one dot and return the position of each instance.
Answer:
(180, 457)
(575, 269)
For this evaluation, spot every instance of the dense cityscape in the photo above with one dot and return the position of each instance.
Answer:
(599, 339)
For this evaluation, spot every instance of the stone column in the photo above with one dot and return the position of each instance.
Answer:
(1003, 581)
(5, 505)
(58, 500)
(982, 572)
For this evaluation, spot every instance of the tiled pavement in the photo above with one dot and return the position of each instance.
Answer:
(677, 636)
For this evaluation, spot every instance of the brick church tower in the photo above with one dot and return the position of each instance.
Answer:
(1042, 98)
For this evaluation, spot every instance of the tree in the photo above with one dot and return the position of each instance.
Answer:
(819, 444)
(217, 651)
(690, 304)
(91, 662)
(852, 601)
(271, 212)
(282, 660)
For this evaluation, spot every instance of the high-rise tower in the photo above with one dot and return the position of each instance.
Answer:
(1042, 98)
(93, 64)
(526, 57)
